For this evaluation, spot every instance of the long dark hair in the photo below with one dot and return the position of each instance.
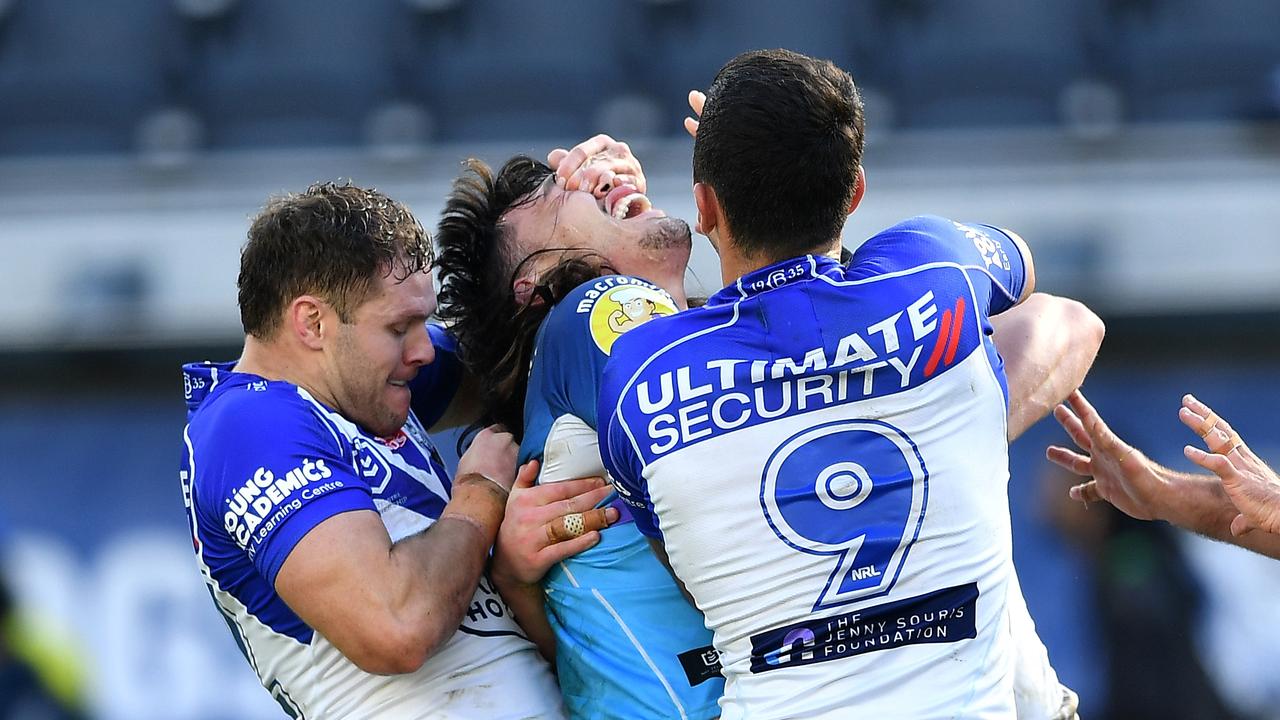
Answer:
(478, 264)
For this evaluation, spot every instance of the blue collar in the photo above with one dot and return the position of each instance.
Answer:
(771, 277)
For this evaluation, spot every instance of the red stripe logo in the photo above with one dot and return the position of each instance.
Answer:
(949, 329)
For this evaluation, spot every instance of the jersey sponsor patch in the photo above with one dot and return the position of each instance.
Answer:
(943, 616)
(700, 664)
(617, 304)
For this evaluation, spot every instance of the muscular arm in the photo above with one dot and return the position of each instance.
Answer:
(1048, 344)
(389, 606)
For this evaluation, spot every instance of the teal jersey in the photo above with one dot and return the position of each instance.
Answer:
(629, 645)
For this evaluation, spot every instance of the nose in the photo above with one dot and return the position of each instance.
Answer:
(419, 350)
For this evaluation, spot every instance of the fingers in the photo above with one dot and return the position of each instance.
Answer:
(697, 99)
(554, 553)
(1215, 463)
(1073, 426)
(582, 153)
(1069, 460)
(567, 489)
(555, 157)
(527, 475)
(576, 524)
(1085, 492)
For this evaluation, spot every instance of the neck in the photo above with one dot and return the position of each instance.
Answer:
(734, 263)
(269, 359)
(673, 282)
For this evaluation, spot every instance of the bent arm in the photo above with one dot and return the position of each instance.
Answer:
(1048, 344)
(389, 606)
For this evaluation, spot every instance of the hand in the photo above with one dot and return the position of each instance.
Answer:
(597, 166)
(1253, 487)
(528, 541)
(492, 454)
(697, 99)
(1121, 474)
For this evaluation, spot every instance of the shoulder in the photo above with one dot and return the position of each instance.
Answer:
(605, 309)
(258, 424)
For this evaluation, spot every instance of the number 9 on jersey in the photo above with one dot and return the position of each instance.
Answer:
(852, 489)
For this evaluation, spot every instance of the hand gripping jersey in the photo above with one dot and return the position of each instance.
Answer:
(629, 645)
(822, 451)
(265, 463)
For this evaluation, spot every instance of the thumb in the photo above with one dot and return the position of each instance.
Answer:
(1240, 525)
(526, 476)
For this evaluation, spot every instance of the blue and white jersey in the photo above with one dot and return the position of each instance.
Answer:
(264, 463)
(628, 643)
(822, 450)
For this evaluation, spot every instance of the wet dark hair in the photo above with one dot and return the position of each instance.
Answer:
(780, 141)
(333, 241)
(479, 262)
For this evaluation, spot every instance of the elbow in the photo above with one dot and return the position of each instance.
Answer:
(1088, 325)
(399, 650)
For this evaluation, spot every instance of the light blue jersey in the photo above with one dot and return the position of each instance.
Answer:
(629, 645)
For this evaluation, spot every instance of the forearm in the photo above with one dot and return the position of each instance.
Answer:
(438, 570)
(528, 602)
(1199, 504)
(1048, 344)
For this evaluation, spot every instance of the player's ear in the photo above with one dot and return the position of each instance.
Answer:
(708, 208)
(309, 319)
(858, 190)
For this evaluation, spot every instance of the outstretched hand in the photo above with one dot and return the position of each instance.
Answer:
(1121, 475)
(597, 166)
(1253, 487)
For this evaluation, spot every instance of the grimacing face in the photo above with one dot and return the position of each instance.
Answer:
(559, 218)
(374, 357)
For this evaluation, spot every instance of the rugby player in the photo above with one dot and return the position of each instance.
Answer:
(347, 564)
(516, 240)
(821, 451)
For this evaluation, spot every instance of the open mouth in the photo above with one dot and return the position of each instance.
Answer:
(625, 202)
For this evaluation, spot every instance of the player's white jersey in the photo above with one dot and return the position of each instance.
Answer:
(264, 463)
(822, 451)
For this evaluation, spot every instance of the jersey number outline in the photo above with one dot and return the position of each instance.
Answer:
(856, 489)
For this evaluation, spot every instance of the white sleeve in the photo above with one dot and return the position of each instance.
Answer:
(572, 451)
(1037, 692)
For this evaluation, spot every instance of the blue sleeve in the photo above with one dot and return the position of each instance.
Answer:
(573, 346)
(435, 385)
(269, 470)
(618, 451)
(988, 255)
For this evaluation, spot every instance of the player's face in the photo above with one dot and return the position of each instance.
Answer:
(634, 238)
(379, 352)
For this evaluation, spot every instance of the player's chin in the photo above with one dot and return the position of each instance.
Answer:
(667, 233)
(398, 402)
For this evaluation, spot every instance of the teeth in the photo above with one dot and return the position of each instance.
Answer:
(621, 207)
(399, 383)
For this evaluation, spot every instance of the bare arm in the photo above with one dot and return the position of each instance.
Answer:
(1144, 489)
(1048, 344)
(389, 606)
